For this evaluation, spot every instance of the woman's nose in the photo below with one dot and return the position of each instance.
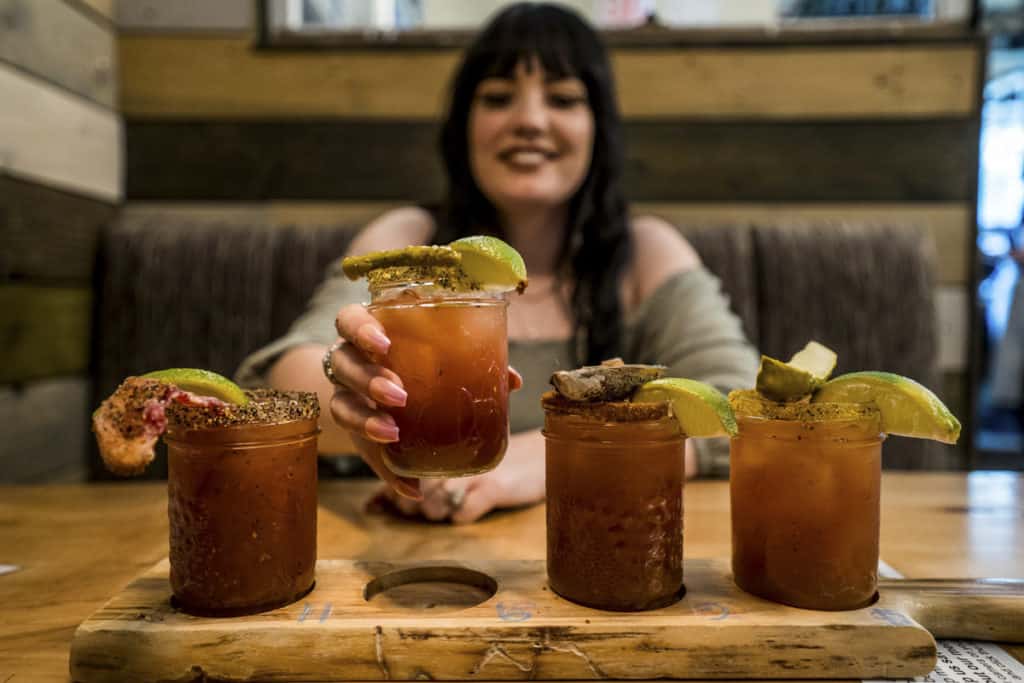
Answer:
(530, 114)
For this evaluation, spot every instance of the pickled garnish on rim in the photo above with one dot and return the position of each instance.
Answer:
(356, 267)
(805, 372)
(478, 262)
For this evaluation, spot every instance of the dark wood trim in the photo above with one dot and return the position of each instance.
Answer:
(48, 236)
(678, 160)
(796, 32)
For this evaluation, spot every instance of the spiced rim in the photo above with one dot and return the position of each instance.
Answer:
(265, 407)
(608, 411)
(748, 404)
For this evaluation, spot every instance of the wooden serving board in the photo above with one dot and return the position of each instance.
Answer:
(360, 623)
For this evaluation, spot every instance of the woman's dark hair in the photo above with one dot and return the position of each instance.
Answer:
(597, 244)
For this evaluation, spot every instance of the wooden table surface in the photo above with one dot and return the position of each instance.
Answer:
(77, 545)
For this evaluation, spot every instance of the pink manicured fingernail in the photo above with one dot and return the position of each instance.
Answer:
(375, 339)
(389, 392)
(383, 430)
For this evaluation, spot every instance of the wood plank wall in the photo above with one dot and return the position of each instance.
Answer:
(60, 180)
(878, 128)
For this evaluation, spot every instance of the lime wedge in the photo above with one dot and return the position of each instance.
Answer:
(816, 359)
(492, 263)
(202, 382)
(701, 409)
(908, 408)
(356, 267)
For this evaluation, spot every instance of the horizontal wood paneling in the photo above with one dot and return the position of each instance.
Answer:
(57, 42)
(48, 235)
(802, 161)
(45, 427)
(679, 161)
(58, 139)
(188, 15)
(800, 82)
(44, 331)
(219, 77)
(948, 223)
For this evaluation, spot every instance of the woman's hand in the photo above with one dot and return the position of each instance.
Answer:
(364, 386)
(517, 481)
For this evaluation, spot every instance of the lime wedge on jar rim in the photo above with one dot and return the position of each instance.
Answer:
(202, 382)
(702, 410)
(491, 263)
(907, 408)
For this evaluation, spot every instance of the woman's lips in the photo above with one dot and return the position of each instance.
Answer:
(526, 156)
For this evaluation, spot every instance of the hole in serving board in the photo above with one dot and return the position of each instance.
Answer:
(435, 588)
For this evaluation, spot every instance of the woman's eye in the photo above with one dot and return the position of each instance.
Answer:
(495, 100)
(561, 101)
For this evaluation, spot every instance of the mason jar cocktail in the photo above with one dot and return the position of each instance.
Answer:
(242, 500)
(450, 349)
(615, 476)
(805, 495)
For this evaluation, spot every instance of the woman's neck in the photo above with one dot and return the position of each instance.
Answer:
(537, 235)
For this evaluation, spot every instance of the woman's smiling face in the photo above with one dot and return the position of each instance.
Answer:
(530, 138)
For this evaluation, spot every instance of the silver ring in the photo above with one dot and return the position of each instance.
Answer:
(328, 368)
(456, 498)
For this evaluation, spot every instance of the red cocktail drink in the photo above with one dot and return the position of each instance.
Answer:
(451, 351)
(805, 501)
(615, 476)
(242, 503)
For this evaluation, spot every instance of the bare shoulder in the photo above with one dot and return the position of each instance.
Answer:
(660, 252)
(394, 229)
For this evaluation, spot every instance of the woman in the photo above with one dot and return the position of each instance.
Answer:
(532, 146)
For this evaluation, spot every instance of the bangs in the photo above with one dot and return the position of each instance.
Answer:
(553, 58)
(544, 33)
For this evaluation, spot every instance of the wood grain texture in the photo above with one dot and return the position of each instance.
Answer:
(223, 77)
(666, 161)
(57, 42)
(525, 631)
(44, 331)
(961, 609)
(52, 533)
(58, 139)
(48, 236)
